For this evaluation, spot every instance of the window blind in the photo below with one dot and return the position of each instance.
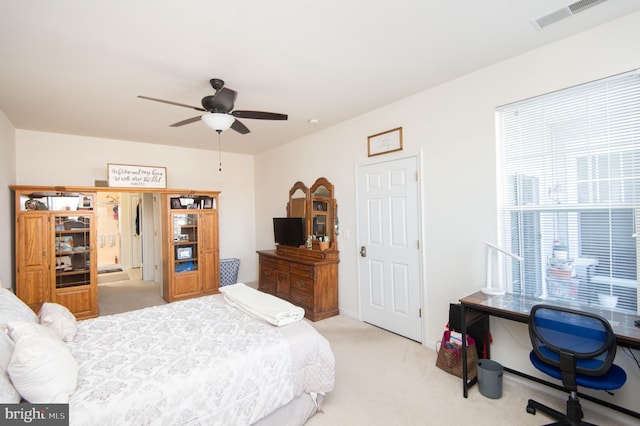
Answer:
(569, 192)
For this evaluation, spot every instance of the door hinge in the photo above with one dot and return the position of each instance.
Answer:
(417, 179)
(418, 244)
(419, 312)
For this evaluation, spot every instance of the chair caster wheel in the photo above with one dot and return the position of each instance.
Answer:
(531, 410)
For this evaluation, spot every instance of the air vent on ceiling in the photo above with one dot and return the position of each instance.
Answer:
(565, 12)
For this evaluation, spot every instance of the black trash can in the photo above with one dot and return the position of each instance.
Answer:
(490, 378)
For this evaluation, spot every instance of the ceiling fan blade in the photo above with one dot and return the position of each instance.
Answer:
(239, 127)
(260, 115)
(187, 121)
(171, 103)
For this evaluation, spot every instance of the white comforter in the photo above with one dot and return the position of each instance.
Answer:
(198, 362)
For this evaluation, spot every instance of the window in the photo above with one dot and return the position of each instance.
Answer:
(569, 192)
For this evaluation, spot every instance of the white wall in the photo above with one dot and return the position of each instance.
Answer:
(7, 177)
(56, 159)
(453, 126)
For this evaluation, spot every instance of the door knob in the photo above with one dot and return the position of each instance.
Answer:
(363, 251)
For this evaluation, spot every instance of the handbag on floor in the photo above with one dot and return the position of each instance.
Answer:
(449, 356)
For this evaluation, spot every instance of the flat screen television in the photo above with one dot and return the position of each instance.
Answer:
(289, 231)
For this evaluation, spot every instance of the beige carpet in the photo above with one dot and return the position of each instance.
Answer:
(383, 379)
(110, 277)
(127, 295)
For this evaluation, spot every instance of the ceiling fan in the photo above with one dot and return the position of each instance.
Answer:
(220, 114)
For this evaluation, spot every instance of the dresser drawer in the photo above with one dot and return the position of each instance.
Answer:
(301, 284)
(268, 277)
(283, 265)
(267, 287)
(302, 270)
(301, 298)
(267, 274)
(267, 262)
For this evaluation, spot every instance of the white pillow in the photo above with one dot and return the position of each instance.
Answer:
(8, 393)
(43, 370)
(14, 309)
(6, 350)
(20, 330)
(59, 319)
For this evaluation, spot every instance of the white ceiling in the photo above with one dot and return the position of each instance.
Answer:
(77, 66)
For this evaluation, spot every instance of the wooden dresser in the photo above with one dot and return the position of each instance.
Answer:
(306, 278)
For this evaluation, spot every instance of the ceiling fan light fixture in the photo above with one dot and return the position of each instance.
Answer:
(218, 121)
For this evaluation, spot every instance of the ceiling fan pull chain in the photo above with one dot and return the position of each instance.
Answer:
(219, 154)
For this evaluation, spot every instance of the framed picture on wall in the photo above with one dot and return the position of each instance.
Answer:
(385, 142)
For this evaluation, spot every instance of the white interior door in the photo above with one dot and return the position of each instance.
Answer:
(388, 233)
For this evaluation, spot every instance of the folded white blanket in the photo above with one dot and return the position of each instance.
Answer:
(272, 309)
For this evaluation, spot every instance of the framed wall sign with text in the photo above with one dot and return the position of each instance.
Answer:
(131, 176)
(385, 142)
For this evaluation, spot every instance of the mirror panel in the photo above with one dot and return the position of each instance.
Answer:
(323, 212)
(319, 209)
(298, 200)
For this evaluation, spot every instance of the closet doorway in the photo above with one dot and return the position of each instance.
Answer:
(126, 235)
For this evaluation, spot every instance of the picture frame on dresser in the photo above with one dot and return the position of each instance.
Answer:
(86, 203)
(184, 253)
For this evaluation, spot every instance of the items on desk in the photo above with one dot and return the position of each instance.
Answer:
(498, 287)
(449, 356)
(560, 250)
(560, 265)
(561, 281)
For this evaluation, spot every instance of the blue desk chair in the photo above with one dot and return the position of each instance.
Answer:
(577, 348)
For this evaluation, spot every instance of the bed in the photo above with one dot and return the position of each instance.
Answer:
(199, 361)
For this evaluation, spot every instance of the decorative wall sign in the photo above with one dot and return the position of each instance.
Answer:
(385, 142)
(131, 176)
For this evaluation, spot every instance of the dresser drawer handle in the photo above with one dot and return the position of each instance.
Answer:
(298, 299)
(300, 284)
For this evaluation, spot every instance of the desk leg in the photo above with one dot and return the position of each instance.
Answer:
(463, 326)
(468, 318)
